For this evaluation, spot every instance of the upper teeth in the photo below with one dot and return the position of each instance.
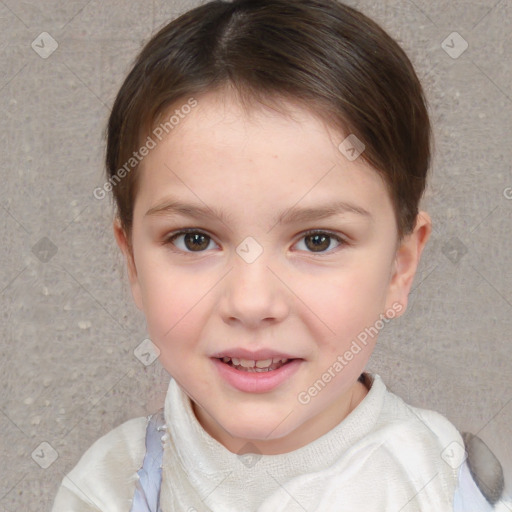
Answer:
(248, 363)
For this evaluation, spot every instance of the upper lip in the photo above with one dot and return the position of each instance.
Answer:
(257, 355)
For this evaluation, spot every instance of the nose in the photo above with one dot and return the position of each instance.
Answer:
(253, 293)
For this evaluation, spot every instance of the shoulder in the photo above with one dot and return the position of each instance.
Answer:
(466, 465)
(430, 434)
(105, 476)
(397, 415)
(481, 474)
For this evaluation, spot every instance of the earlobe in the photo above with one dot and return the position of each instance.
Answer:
(127, 251)
(406, 261)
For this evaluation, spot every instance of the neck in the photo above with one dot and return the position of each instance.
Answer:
(307, 432)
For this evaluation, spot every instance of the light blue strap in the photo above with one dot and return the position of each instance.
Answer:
(468, 497)
(147, 488)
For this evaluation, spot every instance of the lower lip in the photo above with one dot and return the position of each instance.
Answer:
(256, 382)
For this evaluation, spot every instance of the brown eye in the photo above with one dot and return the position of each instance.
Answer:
(192, 241)
(320, 241)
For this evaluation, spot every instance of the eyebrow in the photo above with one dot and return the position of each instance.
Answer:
(292, 215)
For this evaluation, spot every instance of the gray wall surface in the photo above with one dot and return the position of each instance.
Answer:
(69, 330)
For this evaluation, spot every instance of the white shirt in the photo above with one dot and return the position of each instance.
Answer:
(385, 456)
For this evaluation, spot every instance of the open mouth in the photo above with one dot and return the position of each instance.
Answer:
(260, 376)
(262, 366)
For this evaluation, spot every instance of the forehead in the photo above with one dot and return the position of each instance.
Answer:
(255, 154)
(224, 118)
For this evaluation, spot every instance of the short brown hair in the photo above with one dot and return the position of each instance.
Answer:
(327, 56)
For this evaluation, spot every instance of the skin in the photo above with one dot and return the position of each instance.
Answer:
(307, 302)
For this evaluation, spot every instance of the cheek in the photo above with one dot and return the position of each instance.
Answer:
(172, 300)
(347, 302)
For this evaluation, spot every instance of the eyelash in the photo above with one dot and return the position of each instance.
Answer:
(173, 236)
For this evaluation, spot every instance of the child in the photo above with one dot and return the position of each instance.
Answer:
(267, 159)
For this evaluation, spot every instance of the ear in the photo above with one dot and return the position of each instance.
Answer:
(127, 250)
(406, 262)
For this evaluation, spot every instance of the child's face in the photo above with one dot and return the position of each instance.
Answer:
(305, 296)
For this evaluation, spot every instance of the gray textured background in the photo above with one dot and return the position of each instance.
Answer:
(69, 328)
